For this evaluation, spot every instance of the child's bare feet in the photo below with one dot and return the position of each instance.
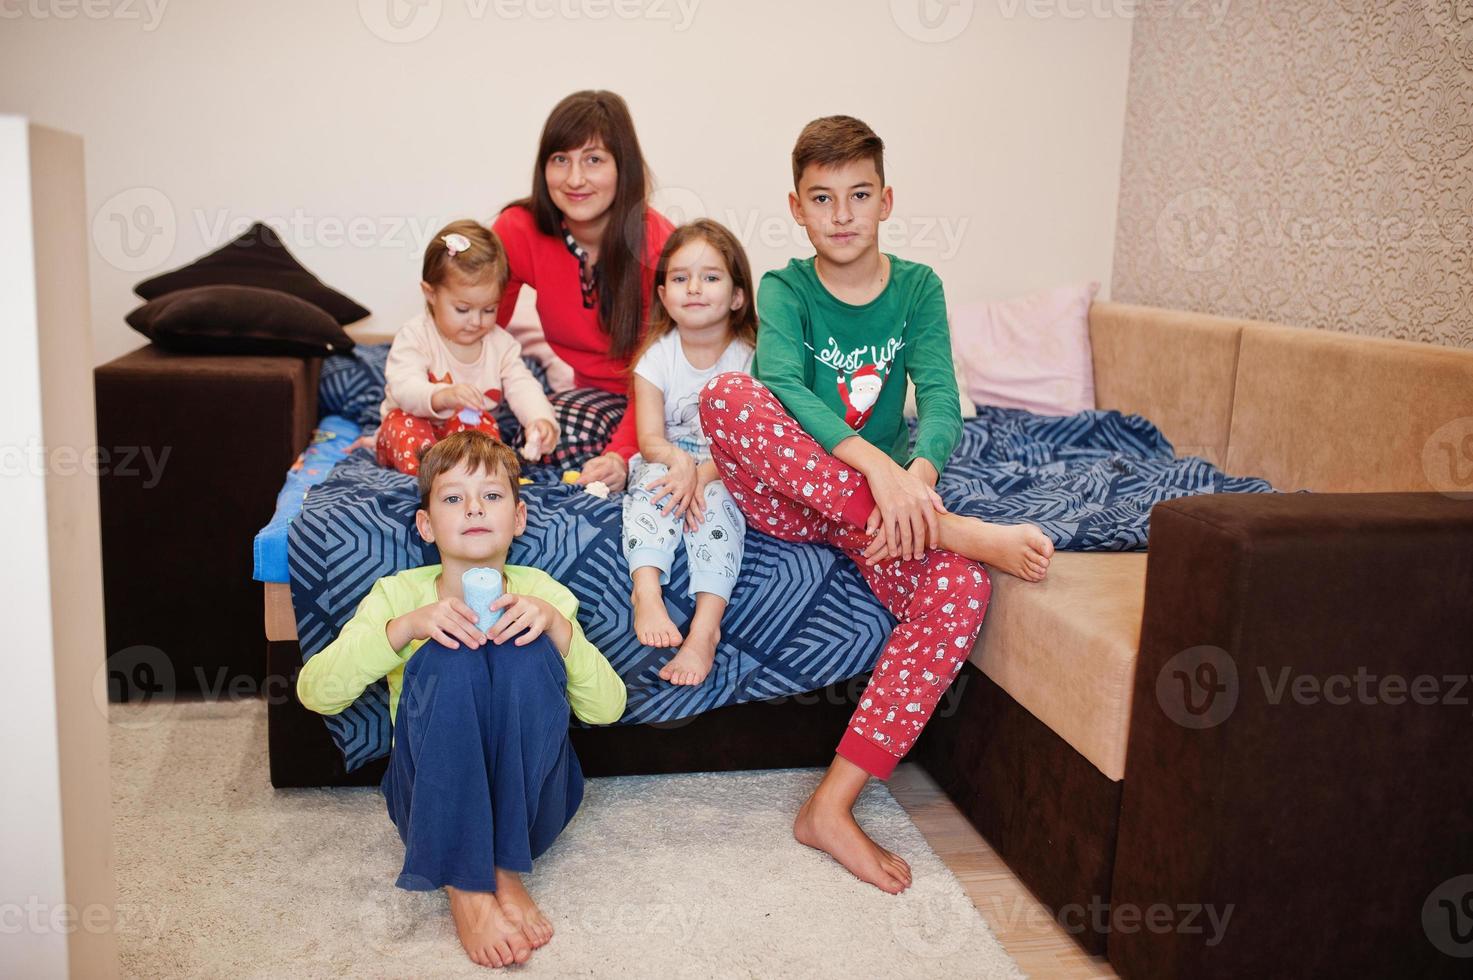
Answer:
(652, 624)
(1018, 549)
(489, 937)
(691, 665)
(833, 830)
(522, 912)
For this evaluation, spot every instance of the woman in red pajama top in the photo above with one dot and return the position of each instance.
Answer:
(587, 242)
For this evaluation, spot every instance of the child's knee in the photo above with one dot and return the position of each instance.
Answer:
(723, 513)
(724, 395)
(730, 383)
(524, 670)
(716, 492)
(437, 669)
(646, 473)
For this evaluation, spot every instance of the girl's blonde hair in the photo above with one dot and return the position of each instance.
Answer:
(484, 257)
(715, 234)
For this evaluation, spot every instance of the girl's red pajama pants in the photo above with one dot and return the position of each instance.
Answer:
(403, 437)
(789, 487)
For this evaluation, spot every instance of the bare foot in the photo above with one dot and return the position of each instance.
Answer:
(652, 624)
(489, 938)
(1018, 549)
(691, 665)
(522, 912)
(833, 830)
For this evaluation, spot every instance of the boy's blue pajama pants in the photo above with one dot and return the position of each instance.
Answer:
(713, 550)
(482, 774)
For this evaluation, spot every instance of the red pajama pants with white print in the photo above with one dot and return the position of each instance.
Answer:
(403, 437)
(789, 487)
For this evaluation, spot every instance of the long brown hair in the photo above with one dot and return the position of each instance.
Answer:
(715, 234)
(604, 116)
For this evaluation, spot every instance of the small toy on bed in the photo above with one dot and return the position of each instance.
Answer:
(481, 587)
(598, 488)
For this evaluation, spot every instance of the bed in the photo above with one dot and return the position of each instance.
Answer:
(801, 617)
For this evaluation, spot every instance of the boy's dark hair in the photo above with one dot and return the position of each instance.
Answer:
(833, 140)
(475, 449)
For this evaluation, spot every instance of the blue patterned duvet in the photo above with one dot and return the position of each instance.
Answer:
(801, 616)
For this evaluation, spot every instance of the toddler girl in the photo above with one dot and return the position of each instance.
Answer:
(452, 365)
(702, 323)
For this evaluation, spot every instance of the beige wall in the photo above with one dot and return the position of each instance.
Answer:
(1004, 140)
(1307, 162)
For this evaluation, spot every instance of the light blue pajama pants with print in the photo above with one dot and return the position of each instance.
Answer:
(714, 550)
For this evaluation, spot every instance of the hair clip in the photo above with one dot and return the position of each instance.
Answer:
(455, 243)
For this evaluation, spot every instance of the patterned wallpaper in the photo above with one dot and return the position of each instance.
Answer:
(1308, 162)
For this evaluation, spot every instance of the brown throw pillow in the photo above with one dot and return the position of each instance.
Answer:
(239, 320)
(256, 258)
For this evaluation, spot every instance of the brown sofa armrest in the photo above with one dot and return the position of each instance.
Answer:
(197, 447)
(1297, 769)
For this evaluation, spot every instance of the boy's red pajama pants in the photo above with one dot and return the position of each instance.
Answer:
(789, 487)
(402, 437)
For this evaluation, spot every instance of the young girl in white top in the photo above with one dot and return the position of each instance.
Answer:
(703, 322)
(452, 365)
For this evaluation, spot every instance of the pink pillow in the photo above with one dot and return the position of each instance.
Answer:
(1031, 352)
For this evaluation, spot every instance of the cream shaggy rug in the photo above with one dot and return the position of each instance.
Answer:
(219, 875)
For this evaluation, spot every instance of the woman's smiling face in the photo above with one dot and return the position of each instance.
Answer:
(582, 181)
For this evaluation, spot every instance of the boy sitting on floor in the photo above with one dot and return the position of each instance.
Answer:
(480, 719)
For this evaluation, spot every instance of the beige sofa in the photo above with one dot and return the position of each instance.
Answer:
(1304, 409)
